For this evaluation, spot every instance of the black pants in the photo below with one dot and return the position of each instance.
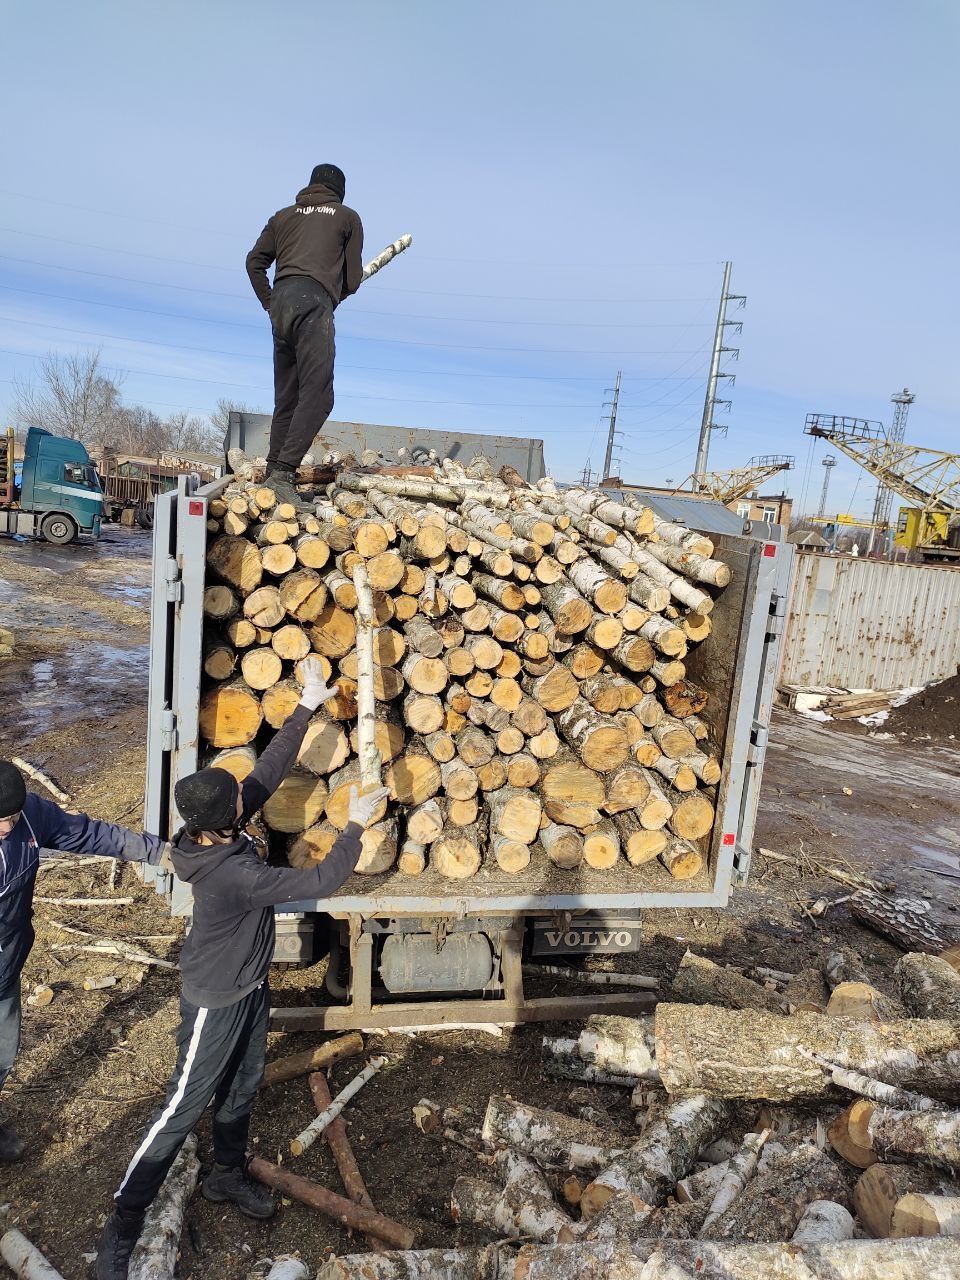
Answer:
(301, 313)
(221, 1055)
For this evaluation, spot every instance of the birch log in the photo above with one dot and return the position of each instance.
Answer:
(25, 1260)
(866, 1133)
(667, 1149)
(727, 1054)
(155, 1255)
(929, 986)
(553, 1139)
(772, 1204)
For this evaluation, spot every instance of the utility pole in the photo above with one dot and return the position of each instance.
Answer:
(902, 401)
(586, 479)
(608, 460)
(711, 400)
(829, 462)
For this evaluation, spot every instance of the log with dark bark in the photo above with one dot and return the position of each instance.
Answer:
(318, 1059)
(700, 981)
(908, 922)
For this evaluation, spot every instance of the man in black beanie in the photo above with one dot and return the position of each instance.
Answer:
(28, 823)
(225, 1005)
(317, 245)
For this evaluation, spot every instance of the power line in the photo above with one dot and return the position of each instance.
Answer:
(361, 311)
(382, 288)
(356, 337)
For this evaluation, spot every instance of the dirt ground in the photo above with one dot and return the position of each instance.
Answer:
(94, 1064)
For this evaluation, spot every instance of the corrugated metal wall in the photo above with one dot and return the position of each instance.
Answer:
(867, 624)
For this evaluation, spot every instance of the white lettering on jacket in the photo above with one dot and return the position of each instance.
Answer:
(317, 208)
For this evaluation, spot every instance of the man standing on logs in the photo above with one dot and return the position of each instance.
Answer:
(317, 245)
(28, 824)
(225, 1005)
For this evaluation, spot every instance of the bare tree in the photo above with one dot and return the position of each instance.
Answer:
(220, 418)
(190, 434)
(71, 396)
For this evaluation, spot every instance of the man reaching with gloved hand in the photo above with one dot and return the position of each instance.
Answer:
(225, 1003)
(28, 823)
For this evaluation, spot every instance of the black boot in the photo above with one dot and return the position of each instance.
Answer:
(121, 1231)
(282, 481)
(12, 1146)
(236, 1186)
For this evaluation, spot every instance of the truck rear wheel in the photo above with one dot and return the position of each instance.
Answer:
(58, 529)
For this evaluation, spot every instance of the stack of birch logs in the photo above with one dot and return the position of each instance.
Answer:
(744, 1160)
(514, 654)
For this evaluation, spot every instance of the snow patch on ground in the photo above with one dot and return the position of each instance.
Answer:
(814, 715)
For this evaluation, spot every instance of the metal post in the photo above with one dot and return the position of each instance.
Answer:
(706, 422)
(829, 462)
(884, 499)
(608, 460)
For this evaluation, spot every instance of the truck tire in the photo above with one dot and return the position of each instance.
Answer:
(58, 529)
(144, 517)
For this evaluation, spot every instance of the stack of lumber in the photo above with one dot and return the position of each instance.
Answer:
(531, 699)
(734, 1171)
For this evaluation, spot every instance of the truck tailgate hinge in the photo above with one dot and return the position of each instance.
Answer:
(174, 585)
(168, 730)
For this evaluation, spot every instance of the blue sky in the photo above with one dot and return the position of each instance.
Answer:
(573, 176)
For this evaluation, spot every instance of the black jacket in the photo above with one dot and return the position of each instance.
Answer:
(317, 237)
(230, 945)
(44, 825)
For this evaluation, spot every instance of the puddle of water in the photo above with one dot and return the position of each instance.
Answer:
(79, 684)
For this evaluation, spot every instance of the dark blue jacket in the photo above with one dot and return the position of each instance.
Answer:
(44, 825)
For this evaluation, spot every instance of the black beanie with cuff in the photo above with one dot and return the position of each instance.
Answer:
(208, 800)
(330, 176)
(13, 790)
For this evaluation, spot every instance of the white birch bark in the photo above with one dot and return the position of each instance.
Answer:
(370, 762)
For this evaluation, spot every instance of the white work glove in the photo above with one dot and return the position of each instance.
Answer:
(315, 689)
(362, 807)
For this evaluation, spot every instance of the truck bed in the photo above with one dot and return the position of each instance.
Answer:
(735, 665)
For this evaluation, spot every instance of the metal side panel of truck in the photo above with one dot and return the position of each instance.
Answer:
(736, 665)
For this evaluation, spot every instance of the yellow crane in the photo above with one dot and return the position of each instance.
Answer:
(928, 479)
(727, 486)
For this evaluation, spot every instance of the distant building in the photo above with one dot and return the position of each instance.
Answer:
(775, 508)
(761, 508)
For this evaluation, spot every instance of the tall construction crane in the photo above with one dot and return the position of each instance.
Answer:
(928, 479)
(727, 486)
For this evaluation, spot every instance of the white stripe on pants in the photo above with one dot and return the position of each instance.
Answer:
(170, 1109)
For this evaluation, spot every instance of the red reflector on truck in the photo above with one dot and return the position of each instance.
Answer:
(195, 508)
(769, 548)
(729, 837)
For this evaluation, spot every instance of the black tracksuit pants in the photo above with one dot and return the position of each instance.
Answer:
(221, 1056)
(301, 313)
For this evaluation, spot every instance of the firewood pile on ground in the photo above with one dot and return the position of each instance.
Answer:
(786, 1125)
(529, 706)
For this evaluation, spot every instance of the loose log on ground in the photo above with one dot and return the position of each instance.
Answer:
(773, 1203)
(341, 1210)
(929, 986)
(554, 1140)
(667, 1149)
(525, 1207)
(907, 921)
(727, 1053)
(700, 981)
(843, 965)
(318, 1059)
(881, 1186)
(866, 1133)
(860, 1000)
(926, 1215)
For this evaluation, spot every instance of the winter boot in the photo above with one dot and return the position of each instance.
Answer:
(235, 1185)
(282, 481)
(121, 1231)
(12, 1146)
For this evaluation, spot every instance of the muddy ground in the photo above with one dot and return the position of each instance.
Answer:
(94, 1064)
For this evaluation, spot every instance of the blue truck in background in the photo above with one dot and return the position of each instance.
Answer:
(56, 495)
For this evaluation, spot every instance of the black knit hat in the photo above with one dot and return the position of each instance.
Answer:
(330, 176)
(208, 800)
(13, 792)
